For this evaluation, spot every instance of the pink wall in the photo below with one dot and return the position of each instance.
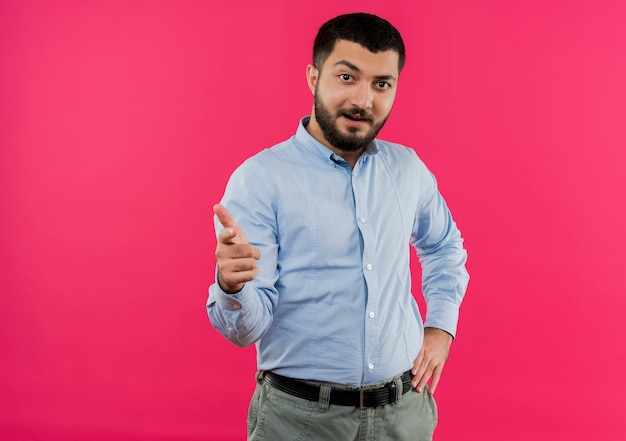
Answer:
(120, 123)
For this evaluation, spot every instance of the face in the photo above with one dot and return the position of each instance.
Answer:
(353, 95)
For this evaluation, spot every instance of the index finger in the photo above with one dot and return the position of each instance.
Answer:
(232, 231)
(224, 216)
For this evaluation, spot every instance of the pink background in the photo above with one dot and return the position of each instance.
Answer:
(120, 122)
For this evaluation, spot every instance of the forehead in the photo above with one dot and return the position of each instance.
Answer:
(377, 64)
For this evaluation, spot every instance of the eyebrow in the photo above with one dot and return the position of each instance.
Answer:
(356, 69)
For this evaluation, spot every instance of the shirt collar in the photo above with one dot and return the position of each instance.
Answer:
(313, 146)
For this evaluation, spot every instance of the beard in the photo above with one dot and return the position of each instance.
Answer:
(347, 142)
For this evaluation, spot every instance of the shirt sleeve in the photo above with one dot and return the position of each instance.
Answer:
(243, 318)
(439, 247)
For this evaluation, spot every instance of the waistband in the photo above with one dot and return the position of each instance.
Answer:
(363, 397)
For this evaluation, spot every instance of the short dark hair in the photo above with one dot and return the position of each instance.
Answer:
(370, 31)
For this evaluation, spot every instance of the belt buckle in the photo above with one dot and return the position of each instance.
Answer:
(362, 399)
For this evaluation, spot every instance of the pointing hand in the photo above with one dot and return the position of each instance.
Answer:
(236, 258)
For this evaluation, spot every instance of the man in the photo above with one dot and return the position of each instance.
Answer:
(313, 258)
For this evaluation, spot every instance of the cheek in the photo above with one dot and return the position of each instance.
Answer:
(335, 99)
(332, 95)
(385, 104)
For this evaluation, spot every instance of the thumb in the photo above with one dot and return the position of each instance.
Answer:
(229, 223)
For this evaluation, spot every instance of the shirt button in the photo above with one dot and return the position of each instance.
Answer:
(369, 266)
(370, 366)
(362, 220)
(372, 315)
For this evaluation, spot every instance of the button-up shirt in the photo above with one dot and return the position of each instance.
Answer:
(332, 302)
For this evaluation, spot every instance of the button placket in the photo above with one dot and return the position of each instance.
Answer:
(368, 236)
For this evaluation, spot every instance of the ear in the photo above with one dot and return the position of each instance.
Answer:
(312, 76)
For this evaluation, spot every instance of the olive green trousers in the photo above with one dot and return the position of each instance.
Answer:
(277, 416)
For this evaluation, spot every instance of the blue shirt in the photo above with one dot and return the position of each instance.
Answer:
(332, 301)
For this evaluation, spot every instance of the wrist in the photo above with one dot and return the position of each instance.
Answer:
(228, 289)
(442, 332)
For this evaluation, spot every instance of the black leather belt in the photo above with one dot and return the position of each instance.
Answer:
(361, 397)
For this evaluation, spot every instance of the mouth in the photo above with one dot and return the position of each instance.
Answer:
(356, 116)
(356, 119)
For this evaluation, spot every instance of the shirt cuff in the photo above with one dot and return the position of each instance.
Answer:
(442, 314)
(226, 301)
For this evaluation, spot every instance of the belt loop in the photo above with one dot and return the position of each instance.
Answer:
(259, 376)
(324, 400)
(362, 399)
(399, 387)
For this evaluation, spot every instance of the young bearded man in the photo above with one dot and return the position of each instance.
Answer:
(313, 258)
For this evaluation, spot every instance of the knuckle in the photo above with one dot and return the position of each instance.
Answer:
(238, 250)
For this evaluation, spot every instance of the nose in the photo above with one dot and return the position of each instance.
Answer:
(362, 96)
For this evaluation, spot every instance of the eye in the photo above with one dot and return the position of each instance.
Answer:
(383, 85)
(345, 77)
